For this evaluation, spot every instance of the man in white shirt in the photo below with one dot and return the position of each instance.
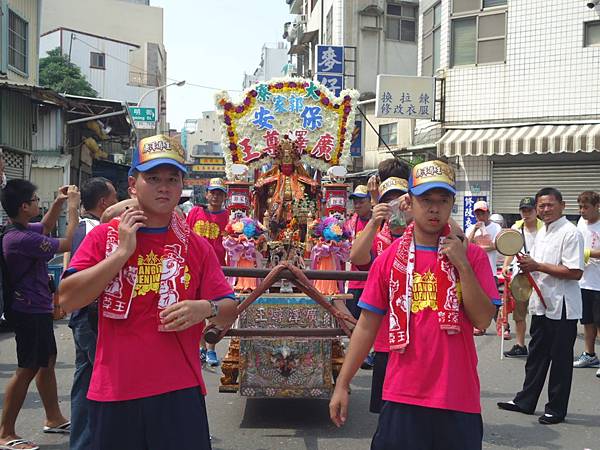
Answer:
(483, 234)
(589, 225)
(528, 226)
(556, 264)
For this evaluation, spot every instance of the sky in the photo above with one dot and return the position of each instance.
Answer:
(212, 43)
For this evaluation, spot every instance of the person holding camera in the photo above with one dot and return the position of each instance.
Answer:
(26, 249)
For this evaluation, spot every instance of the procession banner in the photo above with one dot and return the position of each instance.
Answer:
(320, 123)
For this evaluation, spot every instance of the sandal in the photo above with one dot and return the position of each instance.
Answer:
(12, 445)
(65, 428)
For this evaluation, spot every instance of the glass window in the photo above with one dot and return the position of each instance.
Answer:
(431, 40)
(464, 42)
(437, 15)
(492, 26)
(17, 42)
(392, 28)
(428, 21)
(388, 134)
(479, 39)
(408, 32)
(329, 25)
(395, 10)
(428, 45)
(400, 24)
(460, 6)
(592, 33)
(436, 49)
(409, 11)
(490, 51)
(97, 60)
(490, 3)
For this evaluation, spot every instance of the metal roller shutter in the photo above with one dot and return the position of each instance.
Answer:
(511, 182)
(14, 167)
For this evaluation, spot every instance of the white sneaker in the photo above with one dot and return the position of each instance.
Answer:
(598, 373)
(586, 360)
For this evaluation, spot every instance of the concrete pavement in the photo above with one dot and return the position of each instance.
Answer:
(254, 424)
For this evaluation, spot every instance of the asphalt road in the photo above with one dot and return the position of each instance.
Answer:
(254, 424)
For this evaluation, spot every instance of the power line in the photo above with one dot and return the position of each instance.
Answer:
(142, 71)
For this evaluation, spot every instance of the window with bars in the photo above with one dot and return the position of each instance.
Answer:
(97, 60)
(430, 59)
(592, 33)
(401, 22)
(388, 134)
(478, 32)
(17, 42)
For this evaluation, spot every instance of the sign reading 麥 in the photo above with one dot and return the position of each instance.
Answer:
(403, 97)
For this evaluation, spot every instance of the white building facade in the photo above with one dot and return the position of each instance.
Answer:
(100, 60)
(380, 37)
(519, 82)
(121, 61)
(273, 61)
(202, 136)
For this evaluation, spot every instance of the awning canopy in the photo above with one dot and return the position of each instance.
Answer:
(308, 36)
(521, 140)
(297, 49)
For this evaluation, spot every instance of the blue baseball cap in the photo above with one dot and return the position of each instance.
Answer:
(216, 184)
(156, 150)
(431, 175)
(361, 191)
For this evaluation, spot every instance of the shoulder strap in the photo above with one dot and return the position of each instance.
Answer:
(524, 239)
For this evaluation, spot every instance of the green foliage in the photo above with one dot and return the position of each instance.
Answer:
(62, 76)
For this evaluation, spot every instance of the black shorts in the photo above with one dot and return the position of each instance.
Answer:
(173, 421)
(34, 334)
(410, 427)
(591, 307)
(379, 368)
(352, 304)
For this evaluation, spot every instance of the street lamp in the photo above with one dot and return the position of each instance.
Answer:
(174, 83)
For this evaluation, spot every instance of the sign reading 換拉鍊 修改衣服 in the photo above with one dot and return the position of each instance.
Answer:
(404, 97)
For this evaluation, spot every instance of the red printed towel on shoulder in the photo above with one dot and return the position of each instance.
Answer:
(165, 274)
(401, 282)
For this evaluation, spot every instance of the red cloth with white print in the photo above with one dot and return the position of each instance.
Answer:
(134, 359)
(450, 380)
(447, 296)
(164, 272)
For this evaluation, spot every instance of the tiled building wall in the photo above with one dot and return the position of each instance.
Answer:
(548, 72)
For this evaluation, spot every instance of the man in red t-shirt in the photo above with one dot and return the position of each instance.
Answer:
(210, 222)
(435, 287)
(157, 282)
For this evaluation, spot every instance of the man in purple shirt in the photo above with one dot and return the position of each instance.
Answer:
(27, 248)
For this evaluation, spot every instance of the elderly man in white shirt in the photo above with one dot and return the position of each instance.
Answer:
(556, 265)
